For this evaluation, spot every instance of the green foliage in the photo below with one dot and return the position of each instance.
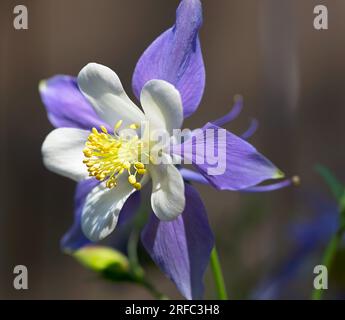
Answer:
(338, 191)
(333, 249)
(336, 187)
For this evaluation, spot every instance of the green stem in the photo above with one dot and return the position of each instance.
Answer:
(332, 248)
(132, 248)
(154, 292)
(328, 259)
(218, 276)
(137, 270)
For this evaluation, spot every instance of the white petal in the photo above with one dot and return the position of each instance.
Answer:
(162, 105)
(167, 199)
(103, 88)
(102, 208)
(63, 152)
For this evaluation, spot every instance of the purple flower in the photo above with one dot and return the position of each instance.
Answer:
(169, 80)
(175, 56)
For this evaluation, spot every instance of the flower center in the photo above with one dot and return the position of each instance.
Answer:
(107, 156)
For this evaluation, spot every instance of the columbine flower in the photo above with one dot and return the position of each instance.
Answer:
(114, 159)
(169, 80)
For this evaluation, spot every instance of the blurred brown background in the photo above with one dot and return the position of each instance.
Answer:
(292, 78)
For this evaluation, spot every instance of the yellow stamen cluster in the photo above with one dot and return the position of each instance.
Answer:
(107, 156)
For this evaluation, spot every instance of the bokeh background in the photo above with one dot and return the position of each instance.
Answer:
(292, 78)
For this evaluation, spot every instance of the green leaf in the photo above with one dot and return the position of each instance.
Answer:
(337, 188)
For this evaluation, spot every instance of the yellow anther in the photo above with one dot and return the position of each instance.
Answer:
(134, 126)
(126, 165)
(118, 125)
(94, 130)
(137, 185)
(131, 179)
(296, 180)
(100, 176)
(139, 165)
(104, 129)
(111, 183)
(141, 171)
(87, 152)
